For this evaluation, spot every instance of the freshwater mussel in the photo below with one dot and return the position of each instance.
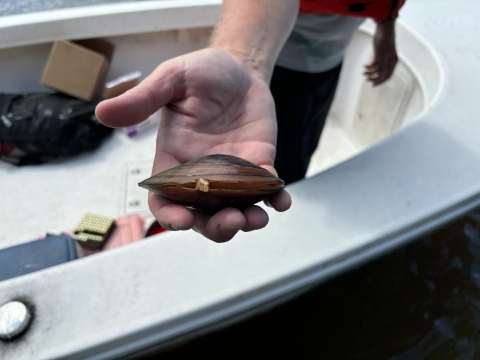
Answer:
(214, 182)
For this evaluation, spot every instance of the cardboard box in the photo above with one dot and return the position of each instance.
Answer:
(122, 84)
(78, 68)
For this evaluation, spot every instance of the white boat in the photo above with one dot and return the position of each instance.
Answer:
(394, 163)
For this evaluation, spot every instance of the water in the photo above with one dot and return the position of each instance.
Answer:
(419, 302)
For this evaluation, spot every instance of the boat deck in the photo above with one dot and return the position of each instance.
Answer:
(335, 146)
(179, 284)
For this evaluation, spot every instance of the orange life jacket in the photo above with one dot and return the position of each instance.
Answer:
(378, 10)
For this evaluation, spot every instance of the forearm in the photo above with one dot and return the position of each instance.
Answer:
(387, 29)
(255, 30)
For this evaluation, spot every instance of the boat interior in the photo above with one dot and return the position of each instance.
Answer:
(386, 171)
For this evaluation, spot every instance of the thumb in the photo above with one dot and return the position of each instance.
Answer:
(162, 86)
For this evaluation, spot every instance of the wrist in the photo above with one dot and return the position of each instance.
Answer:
(254, 32)
(259, 66)
(386, 26)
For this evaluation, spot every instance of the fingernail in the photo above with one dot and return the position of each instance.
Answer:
(171, 227)
(267, 202)
(247, 229)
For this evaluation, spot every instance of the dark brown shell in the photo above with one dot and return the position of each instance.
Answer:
(215, 182)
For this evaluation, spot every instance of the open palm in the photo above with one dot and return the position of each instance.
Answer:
(212, 104)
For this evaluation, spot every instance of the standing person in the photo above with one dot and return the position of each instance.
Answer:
(217, 100)
(307, 70)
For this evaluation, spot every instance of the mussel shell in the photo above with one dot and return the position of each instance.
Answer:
(232, 181)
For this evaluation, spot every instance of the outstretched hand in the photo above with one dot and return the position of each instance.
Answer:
(212, 104)
(385, 54)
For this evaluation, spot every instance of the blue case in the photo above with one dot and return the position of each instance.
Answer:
(36, 255)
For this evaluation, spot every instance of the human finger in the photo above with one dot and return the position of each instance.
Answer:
(380, 77)
(281, 201)
(378, 80)
(220, 227)
(371, 70)
(170, 215)
(162, 86)
(385, 73)
(371, 73)
(374, 74)
(256, 218)
(372, 64)
(390, 68)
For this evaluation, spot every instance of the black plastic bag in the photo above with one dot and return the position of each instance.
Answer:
(38, 128)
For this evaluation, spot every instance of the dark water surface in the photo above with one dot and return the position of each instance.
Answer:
(420, 302)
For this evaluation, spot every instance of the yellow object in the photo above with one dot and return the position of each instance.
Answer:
(93, 229)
